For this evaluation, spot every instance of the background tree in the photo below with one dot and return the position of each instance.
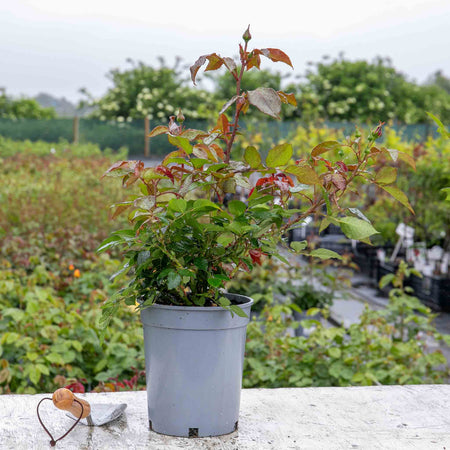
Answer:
(439, 79)
(23, 108)
(343, 90)
(144, 91)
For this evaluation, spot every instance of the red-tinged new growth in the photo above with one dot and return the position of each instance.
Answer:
(201, 217)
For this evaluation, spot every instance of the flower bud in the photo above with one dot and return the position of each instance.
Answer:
(247, 36)
(180, 117)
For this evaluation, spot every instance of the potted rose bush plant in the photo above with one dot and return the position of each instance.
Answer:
(188, 238)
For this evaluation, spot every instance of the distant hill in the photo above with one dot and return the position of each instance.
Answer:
(62, 106)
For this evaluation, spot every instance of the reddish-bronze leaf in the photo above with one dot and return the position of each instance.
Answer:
(223, 124)
(408, 159)
(174, 128)
(125, 167)
(202, 151)
(288, 99)
(339, 181)
(215, 62)
(115, 166)
(160, 129)
(196, 66)
(176, 154)
(230, 65)
(165, 171)
(191, 134)
(138, 168)
(253, 61)
(120, 209)
(325, 147)
(266, 100)
(129, 179)
(275, 55)
(218, 151)
(228, 104)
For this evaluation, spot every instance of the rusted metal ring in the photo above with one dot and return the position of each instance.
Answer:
(53, 441)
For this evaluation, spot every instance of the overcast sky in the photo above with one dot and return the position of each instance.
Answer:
(58, 46)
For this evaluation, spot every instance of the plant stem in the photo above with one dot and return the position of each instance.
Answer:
(238, 105)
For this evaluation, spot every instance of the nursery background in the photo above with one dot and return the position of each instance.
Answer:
(82, 86)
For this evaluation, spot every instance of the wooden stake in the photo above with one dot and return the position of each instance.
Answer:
(76, 129)
(147, 139)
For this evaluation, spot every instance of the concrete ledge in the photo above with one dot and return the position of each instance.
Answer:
(384, 417)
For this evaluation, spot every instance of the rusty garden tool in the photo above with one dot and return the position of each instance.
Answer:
(92, 415)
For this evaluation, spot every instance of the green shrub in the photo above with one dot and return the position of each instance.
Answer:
(388, 346)
(48, 339)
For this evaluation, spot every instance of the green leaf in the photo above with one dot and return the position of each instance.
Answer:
(356, 212)
(355, 228)
(201, 263)
(279, 155)
(385, 280)
(55, 358)
(305, 174)
(199, 162)
(334, 352)
(236, 207)
(441, 127)
(386, 175)
(43, 369)
(254, 201)
(180, 142)
(223, 301)
(34, 374)
(398, 195)
(173, 280)
(78, 346)
(32, 356)
(204, 203)
(225, 239)
(177, 205)
(252, 157)
(100, 365)
(216, 167)
(327, 201)
(237, 310)
(298, 246)
(446, 191)
(325, 147)
(15, 313)
(217, 280)
(110, 242)
(324, 253)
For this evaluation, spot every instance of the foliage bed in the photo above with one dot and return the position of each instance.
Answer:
(51, 280)
(52, 284)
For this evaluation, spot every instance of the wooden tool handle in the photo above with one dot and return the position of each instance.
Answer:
(64, 399)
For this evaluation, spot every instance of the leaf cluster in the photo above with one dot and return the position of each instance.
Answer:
(201, 217)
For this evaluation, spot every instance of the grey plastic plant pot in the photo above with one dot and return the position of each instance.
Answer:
(194, 360)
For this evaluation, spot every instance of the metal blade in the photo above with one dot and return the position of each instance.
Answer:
(102, 413)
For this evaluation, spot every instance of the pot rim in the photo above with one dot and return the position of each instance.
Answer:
(249, 301)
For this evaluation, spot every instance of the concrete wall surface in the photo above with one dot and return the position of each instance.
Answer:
(381, 417)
